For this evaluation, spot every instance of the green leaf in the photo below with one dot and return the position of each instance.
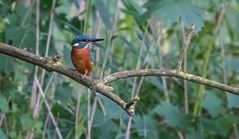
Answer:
(112, 109)
(209, 3)
(64, 7)
(106, 130)
(169, 12)
(143, 38)
(232, 63)
(212, 104)
(8, 86)
(132, 8)
(166, 135)
(3, 25)
(20, 11)
(209, 126)
(15, 34)
(3, 104)
(172, 115)
(227, 122)
(99, 118)
(67, 56)
(6, 65)
(80, 127)
(104, 13)
(19, 76)
(233, 101)
(195, 134)
(232, 19)
(156, 82)
(13, 134)
(145, 126)
(130, 45)
(63, 93)
(2, 134)
(38, 126)
(26, 121)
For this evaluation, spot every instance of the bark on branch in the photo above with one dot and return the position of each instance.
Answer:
(99, 85)
(174, 73)
(51, 64)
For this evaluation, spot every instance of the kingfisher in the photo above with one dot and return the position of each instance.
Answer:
(81, 56)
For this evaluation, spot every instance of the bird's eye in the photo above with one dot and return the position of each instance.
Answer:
(85, 40)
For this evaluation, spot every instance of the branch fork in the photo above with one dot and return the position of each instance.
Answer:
(101, 85)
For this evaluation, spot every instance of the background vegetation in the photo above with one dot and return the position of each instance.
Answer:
(138, 35)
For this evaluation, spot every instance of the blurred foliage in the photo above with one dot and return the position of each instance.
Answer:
(139, 34)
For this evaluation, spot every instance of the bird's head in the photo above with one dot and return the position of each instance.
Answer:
(83, 41)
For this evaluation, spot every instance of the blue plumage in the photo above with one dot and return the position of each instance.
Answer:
(81, 56)
(79, 38)
(80, 41)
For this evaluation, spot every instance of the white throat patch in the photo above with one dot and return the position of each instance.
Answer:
(76, 44)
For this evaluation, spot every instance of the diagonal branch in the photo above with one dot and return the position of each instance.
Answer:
(52, 64)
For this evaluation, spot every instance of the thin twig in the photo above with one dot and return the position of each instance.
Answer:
(50, 27)
(2, 117)
(88, 135)
(161, 60)
(23, 23)
(112, 30)
(136, 85)
(185, 84)
(225, 80)
(139, 62)
(49, 35)
(127, 133)
(45, 126)
(186, 40)
(217, 23)
(49, 109)
(39, 101)
(30, 133)
(52, 79)
(34, 90)
(91, 112)
(77, 113)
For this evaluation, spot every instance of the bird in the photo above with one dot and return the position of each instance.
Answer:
(81, 56)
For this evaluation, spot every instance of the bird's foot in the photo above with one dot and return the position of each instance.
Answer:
(85, 75)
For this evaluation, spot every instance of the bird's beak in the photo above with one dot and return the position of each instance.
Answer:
(97, 44)
(96, 39)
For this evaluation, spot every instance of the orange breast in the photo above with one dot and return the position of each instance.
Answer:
(81, 60)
